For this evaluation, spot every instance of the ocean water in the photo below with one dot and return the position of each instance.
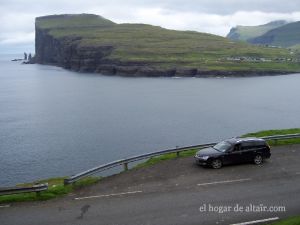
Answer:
(55, 122)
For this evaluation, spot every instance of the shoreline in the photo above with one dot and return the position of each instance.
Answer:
(143, 72)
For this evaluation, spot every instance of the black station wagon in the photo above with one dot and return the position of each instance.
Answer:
(234, 150)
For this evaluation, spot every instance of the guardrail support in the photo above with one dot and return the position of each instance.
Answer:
(125, 165)
(66, 183)
(177, 153)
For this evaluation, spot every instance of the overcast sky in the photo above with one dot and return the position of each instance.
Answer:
(211, 16)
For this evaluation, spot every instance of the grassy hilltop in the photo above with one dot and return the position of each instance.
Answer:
(156, 47)
(244, 33)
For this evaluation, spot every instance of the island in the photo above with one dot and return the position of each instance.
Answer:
(91, 43)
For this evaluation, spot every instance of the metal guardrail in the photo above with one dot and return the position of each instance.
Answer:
(18, 190)
(72, 179)
(281, 137)
(125, 162)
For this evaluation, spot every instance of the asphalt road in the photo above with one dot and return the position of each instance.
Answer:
(177, 192)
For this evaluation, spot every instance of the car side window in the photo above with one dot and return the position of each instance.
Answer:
(251, 145)
(247, 146)
(237, 148)
(261, 145)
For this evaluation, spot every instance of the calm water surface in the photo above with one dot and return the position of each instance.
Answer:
(55, 122)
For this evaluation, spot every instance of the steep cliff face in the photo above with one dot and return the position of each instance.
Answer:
(90, 43)
(66, 52)
(48, 49)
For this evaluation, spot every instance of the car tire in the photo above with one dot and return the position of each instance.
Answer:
(258, 160)
(216, 164)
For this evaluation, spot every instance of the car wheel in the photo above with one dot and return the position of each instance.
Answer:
(216, 164)
(258, 159)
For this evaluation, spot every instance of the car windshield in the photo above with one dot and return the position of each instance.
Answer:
(222, 146)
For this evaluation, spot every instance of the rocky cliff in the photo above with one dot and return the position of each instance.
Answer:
(67, 53)
(90, 43)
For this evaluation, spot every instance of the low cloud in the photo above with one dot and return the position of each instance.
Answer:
(217, 17)
(203, 22)
(18, 38)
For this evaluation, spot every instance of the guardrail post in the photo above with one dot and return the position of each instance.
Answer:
(125, 165)
(38, 194)
(66, 183)
(177, 153)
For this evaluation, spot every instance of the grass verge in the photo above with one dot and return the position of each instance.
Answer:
(192, 152)
(277, 132)
(56, 188)
(164, 157)
(290, 221)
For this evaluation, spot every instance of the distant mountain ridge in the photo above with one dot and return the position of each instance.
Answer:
(277, 33)
(284, 36)
(245, 33)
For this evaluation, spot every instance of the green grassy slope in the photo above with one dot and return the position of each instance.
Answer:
(285, 36)
(72, 21)
(243, 33)
(164, 48)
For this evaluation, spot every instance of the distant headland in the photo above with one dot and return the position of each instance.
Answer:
(91, 43)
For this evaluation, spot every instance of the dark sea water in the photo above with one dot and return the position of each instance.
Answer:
(55, 122)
